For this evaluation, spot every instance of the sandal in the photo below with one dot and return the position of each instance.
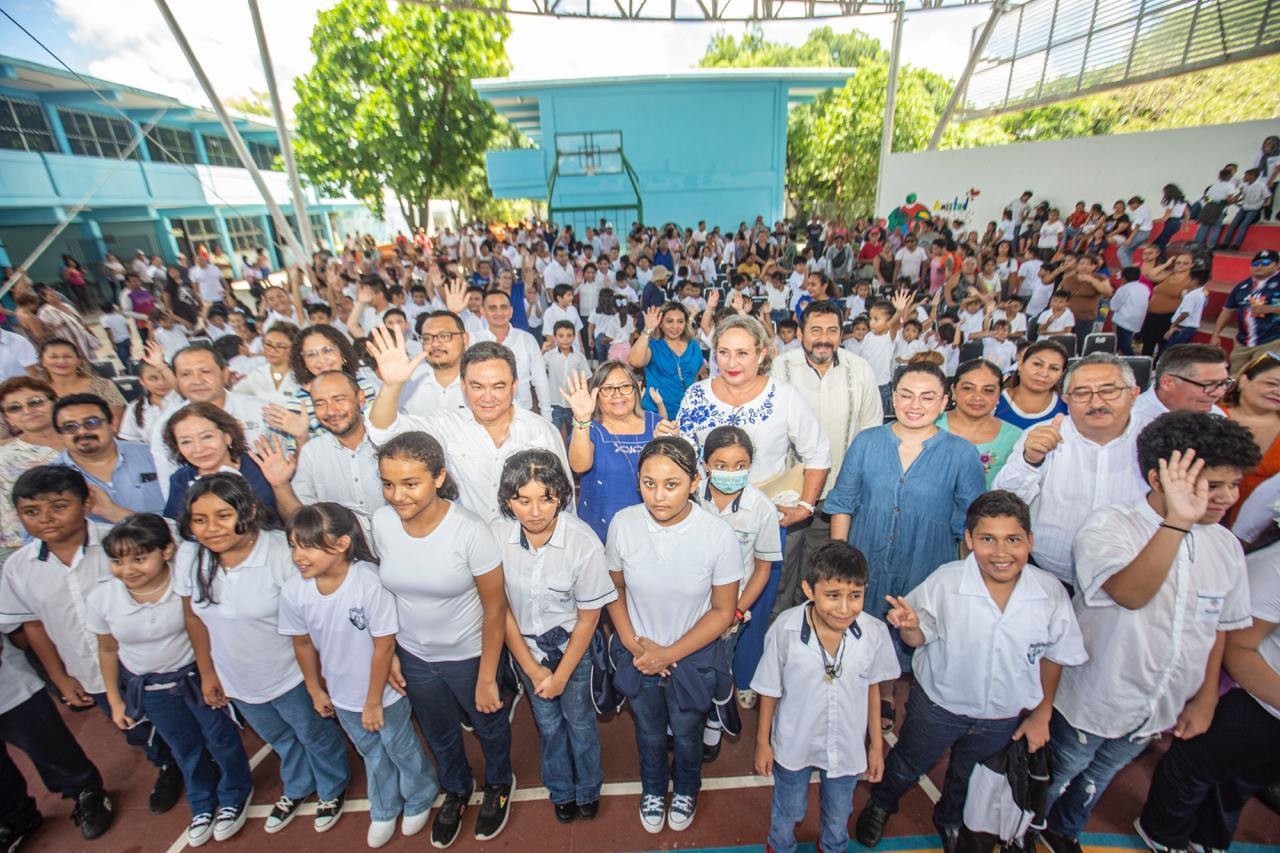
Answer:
(887, 715)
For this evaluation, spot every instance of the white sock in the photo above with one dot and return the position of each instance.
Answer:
(711, 733)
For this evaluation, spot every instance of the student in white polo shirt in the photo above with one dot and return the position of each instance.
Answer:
(819, 684)
(678, 571)
(1159, 582)
(150, 672)
(230, 572)
(556, 582)
(992, 635)
(45, 587)
(343, 624)
(444, 567)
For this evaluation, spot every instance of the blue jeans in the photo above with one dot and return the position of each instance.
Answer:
(1240, 225)
(313, 758)
(1128, 247)
(400, 777)
(928, 732)
(1124, 340)
(142, 736)
(124, 352)
(1172, 226)
(1181, 335)
(791, 798)
(1082, 766)
(570, 753)
(560, 418)
(1207, 235)
(656, 708)
(199, 736)
(602, 348)
(441, 693)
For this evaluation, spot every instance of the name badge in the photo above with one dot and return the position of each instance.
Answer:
(1209, 607)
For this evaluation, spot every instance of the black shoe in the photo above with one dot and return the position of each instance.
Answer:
(888, 715)
(1270, 797)
(566, 812)
(444, 830)
(494, 810)
(1059, 843)
(710, 752)
(12, 836)
(950, 838)
(92, 813)
(870, 827)
(167, 790)
(588, 811)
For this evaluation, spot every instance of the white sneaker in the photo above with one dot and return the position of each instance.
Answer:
(747, 699)
(380, 832)
(412, 824)
(230, 819)
(200, 829)
(651, 812)
(681, 813)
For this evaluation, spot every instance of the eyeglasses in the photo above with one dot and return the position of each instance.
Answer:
(324, 350)
(32, 403)
(1265, 262)
(928, 398)
(1214, 387)
(88, 425)
(1107, 393)
(443, 337)
(617, 390)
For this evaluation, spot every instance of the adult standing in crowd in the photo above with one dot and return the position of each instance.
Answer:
(17, 356)
(1254, 402)
(666, 352)
(1087, 288)
(27, 405)
(1254, 304)
(1164, 301)
(207, 281)
(67, 372)
(1188, 378)
(976, 390)
(1032, 396)
(320, 349)
(273, 381)
(121, 474)
(531, 370)
(203, 440)
(436, 384)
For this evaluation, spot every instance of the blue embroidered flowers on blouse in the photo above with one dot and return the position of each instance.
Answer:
(702, 411)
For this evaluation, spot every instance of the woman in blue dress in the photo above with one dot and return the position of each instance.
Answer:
(1032, 396)
(667, 353)
(608, 432)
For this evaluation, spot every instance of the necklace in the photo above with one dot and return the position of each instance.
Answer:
(137, 592)
(832, 666)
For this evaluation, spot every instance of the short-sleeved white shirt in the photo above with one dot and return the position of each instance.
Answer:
(878, 352)
(433, 580)
(254, 663)
(547, 587)
(1264, 591)
(821, 723)
(979, 661)
(20, 681)
(1192, 304)
(36, 586)
(17, 354)
(910, 262)
(754, 520)
(669, 571)
(152, 635)
(342, 626)
(1148, 663)
(208, 280)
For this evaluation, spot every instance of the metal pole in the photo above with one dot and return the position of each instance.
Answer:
(890, 99)
(282, 128)
(282, 224)
(997, 9)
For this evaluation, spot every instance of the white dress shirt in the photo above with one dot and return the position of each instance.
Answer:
(553, 274)
(1264, 592)
(424, 395)
(531, 371)
(1148, 407)
(328, 471)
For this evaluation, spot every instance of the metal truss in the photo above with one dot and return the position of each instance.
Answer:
(700, 10)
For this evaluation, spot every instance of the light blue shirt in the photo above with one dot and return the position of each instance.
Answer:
(134, 484)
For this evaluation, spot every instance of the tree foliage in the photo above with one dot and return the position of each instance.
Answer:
(256, 103)
(389, 104)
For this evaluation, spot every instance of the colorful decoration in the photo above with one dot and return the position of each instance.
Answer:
(904, 217)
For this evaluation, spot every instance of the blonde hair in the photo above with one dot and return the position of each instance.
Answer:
(752, 327)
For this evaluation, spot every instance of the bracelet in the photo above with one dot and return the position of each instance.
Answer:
(741, 615)
(577, 424)
(807, 506)
(1172, 527)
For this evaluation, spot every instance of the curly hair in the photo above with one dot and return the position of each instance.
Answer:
(1220, 442)
(350, 359)
(223, 421)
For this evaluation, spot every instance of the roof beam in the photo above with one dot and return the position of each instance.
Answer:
(81, 97)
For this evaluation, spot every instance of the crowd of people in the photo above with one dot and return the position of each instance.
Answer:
(848, 478)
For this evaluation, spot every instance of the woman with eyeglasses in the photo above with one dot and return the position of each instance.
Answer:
(274, 381)
(27, 405)
(67, 372)
(319, 349)
(1254, 402)
(608, 431)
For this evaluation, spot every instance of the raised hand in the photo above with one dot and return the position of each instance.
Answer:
(582, 402)
(901, 299)
(278, 467)
(291, 423)
(901, 615)
(652, 318)
(455, 296)
(713, 299)
(656, 397)
(387, 347)
(1042, 439)
(153, 354)
(1186, 493)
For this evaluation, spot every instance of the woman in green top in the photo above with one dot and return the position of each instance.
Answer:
(976, 391)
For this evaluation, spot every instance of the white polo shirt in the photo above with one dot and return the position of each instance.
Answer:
(424, 395)
(547, 586)
(979, 661)
(1264, 590)
(669, 571)
(36, 586)
(437, 603)
(754, 520)
(152, 636)
(254, 663)
(20, 681)
(531, 371)
(1145, 665)
(208, 281)
(342, 626)
(821, 723)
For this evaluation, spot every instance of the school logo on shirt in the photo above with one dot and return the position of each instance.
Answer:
(1035, 651)
(356, 617)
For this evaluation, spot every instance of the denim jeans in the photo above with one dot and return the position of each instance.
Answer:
(124, 352)
(928, 732)
(791, 799)
(441, 693)
(142, 736)
(36, 728)
(1240, 225)
(1128, 247)
(1207, 235)
(655, 709)
(570, 753)
(560, 418)
(602, 345)
(401, 779)
(1082, 766)
(1124, 340)
(1181, 335)
(313, 758)
(199, 736)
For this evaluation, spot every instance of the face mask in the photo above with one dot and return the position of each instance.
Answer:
(729, 482)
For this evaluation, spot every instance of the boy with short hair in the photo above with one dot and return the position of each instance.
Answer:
(1186, 318)
(1057, 319)
(858, 330)
(992, 635)
(118, 330)
(786, 339)
(998, 349)
(909, 342)
(560, 310)
(171, 337)
(563, 360)
(1129, 308)
(1159, 582)
(822, 655)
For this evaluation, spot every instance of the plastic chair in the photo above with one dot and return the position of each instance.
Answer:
(969, 351)
(1141, 365)
(1068, 342)
(130, 387)
(1100, 342)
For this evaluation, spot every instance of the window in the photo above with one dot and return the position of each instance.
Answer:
(93, 135)
(220, 151)
(264, 154)
(170, 145)
(245, 233)
(23, 126)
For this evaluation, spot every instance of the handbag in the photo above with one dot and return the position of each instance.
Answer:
(790, 481)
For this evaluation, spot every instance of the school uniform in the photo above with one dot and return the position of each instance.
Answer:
(978, 670)
(1144, 665)
(256, 665)
(1192, 305)
(1003, 354)
(342, 625)
(559, 368)
(1047, 324)
(440, 639)
(546, 587)
(159, 679)
(819, 723)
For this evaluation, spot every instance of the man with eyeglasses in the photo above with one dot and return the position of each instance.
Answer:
(1088, 458)
(1188, 378)
(1255, 305)
(436, 385)
(121, 474)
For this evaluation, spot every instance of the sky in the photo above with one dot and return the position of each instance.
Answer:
(126, 41)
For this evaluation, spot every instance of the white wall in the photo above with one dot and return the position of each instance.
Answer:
(1091, 169)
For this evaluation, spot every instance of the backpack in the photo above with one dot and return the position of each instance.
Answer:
(1210, 213)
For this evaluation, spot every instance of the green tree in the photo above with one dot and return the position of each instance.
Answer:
(256, 103)
(389, 104)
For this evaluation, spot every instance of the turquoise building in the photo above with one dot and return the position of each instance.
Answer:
(702, 144)
(62, 137)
